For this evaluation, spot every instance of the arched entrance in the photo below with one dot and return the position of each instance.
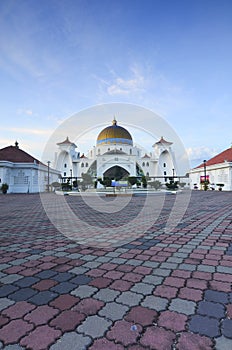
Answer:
(116, 173)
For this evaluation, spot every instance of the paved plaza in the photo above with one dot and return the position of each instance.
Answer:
(161, 290)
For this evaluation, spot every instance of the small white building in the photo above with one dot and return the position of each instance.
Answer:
(24, 173)
(217, 171)
(115, 156)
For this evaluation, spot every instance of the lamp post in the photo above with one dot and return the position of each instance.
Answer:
(173, 173)
(48, 175)
(71, 177)
(205, 185)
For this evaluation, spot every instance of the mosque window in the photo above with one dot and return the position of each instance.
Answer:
(165, 173)
(147, 174)
(164, 165)
(143, 164)
(130, 151)
(64, 173)
(99, 152)
(108, 149)
(120, 148)
(21, 178)
(65, 165)
(147, 163)
(86, 164)
(82, 165)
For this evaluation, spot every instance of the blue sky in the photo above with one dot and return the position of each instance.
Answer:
(171, 56)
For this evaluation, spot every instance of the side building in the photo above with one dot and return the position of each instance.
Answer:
(23, 173)
(217, 172)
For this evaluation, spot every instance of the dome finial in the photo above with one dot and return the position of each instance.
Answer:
(114, 121)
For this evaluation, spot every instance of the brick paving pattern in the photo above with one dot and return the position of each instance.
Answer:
(160, 291)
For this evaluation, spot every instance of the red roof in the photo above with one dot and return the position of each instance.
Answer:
(146, 156)
(15, 155)
(162, 141)
(220, 158)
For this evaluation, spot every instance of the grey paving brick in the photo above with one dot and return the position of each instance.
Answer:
(63, 287)
(121, 250)
(181, 255)
(79, 270)
(113, 254)
(154, 280)
(134, 262)
(161, 272)
(11, 278)
(94, 326)
(13, 347)
(84, 291)
(182, 306)
(223, 343)
(18, 262)
(70, 341)
(113, 311)
(206, 268)
(175, 260)
(106, 294)
(224, 269)
(60, 254)
(103, 259)
(75, 256)
(119, 261)
(129, 298)
(91, 264)
(88, 257)
(34, 257)
(204, 325)
(5, 302)
(152, 264)
(7, 289)
(155, 303)
(143, 288)
(4, 266)
(188, 267)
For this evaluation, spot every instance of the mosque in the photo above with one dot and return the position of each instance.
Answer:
(116, 156)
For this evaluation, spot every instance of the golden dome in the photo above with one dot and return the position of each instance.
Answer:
(114, 134)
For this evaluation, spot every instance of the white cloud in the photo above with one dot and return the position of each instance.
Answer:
(201, 152)
(27, 131)
(127, 86)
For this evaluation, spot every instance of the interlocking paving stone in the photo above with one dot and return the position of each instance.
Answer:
(113, 311)
(43, 298)
(88, 306)
(5, 290)
(204, 326)
(67, 320)
(70, 340)
(129, 298)
(94, 326)
(13, 331)
(63, 287)
(105, 344)
(215, 296)
(5, 302)
(40, 338)
(41, 315)
(227, 328)
(106, 294)
(121, 332)
(84, 291)
(211, 309)
(157, 338)
(183, 306)
(155, 303)
(22, 294)
(64, 301)
(223, 343)
(141, 315)
(172, 320)
(191, 341)
(142, 288)
(18, 309)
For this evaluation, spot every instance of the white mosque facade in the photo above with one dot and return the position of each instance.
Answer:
(116, 156)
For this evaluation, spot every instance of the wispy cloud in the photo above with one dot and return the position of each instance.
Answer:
(201, 152)
(127, 86)
(27, 131)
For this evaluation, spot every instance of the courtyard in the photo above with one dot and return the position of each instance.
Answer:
(161, 290)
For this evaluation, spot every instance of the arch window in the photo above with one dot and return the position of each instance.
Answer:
(143, 164)
(86, 164)
(98, 151)
(130, 151)
(165, 173)
(108, 149)
(64, 173)
(164, 165)
(147, 174)
(65, 165)
(147, 163)
(82, 165)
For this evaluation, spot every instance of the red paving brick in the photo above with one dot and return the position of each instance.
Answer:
(41, 315)
(165, 291)
(172, 320)
(18, 310)
(189, 341)
(13, 331)
(40, 338)
(105, 344)
(158, 338)
(64, 302)
(88, 306)
(44, 285)
(141, 315)
(121, 333)
(67, 320)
